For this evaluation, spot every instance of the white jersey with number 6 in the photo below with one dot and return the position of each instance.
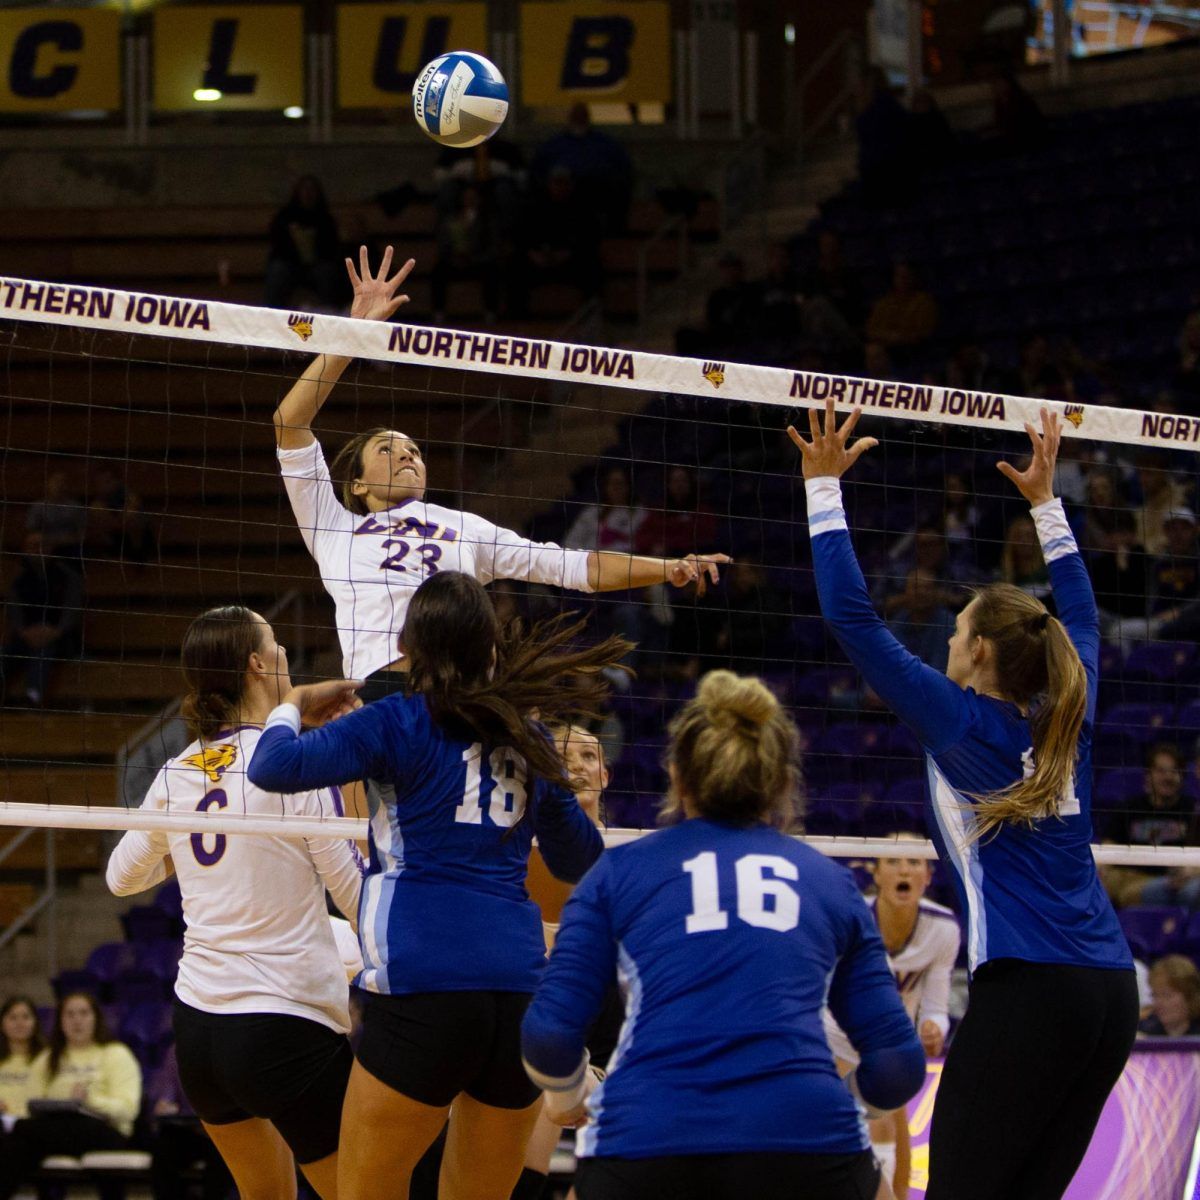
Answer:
(258, 939)
(371, 564)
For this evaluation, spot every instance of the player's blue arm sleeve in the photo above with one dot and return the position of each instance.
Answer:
(935, 708)
(568, 840)
(350, 748)
(582, 968)
(1073, 595)
(865, 1003)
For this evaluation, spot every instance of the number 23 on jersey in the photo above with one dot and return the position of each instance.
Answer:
(765, 898)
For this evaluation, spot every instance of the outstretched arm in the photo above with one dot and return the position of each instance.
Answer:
(612, 572)
(1073, 593)
(933, 706)
(375, 299)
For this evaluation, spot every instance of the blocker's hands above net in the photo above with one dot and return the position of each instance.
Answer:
(320, 703)
(828, 452)
(700, 569)
(375, 296)
(1036, 482)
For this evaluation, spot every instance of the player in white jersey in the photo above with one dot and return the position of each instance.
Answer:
(261, 1009)
(376, 539)
(922, 940)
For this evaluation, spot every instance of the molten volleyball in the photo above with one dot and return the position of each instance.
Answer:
(460, 99)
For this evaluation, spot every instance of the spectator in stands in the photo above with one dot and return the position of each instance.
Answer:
(931, 141)
(1161, 493)
(613, 523)
(882, 128)
(731, 314)
(1017, 122)
(562, 235)
(906, 316)
(1021, 562)
(751, 631)
(180, 1141)
(1100, 507)
(495, 167)
(779, 296)
(21, 1042)
(1187, 372)
(1164, 815)
(1039, 373)
(60, 517)
(598, 164)
(1120, 569)
(681, 523)
(960, 522)
(136, 539)
(1175, 987)
(305, 250)
(44, 611)
(1175, 574)
(468, 249)
(922, 616)
(830, 279)
(969, 369)
(85, 1067)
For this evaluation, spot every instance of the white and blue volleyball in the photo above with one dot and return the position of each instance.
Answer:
(460, 99)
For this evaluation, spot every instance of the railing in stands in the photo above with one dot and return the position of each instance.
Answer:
(44, 901)
(843, 56)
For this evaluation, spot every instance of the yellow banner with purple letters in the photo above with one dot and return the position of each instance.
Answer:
(240, 56)
(381, 47)
(60, 59)
(611, 52)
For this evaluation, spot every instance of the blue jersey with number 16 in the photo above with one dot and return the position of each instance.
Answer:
(728, 942)
(444, 905)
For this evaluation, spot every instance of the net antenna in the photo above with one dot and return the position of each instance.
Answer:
(229, 333)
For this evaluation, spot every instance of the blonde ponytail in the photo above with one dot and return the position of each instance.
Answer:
(1037, 665)
(735, 754)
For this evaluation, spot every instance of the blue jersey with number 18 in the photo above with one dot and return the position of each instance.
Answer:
(444, 905)
(727, 942)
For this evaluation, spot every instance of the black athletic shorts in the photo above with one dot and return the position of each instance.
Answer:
(287, 1070)
(430, 1046)
(384, 682)
(761, 1176)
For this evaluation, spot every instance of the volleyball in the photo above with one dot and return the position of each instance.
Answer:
(460, 99)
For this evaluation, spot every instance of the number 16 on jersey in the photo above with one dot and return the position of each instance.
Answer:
(765, 898)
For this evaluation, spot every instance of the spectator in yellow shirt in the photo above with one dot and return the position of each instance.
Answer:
(904, 317)
(83, 1064)
(20, 1043)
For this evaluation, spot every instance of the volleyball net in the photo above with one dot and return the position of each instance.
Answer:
(140, 487)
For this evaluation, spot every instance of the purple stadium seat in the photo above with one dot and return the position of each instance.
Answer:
(1153, 932)
(1116, 788)
(159, 958)
(1151, 674)
(76, 981)
(146, 923)
(107, 961)
(841, 807)
(1188, 719)
(134, 987)
(45, 1016)
(1189, 944)
(169, 899)
(146, 1029)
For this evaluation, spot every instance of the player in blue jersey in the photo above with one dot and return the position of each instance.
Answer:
(1007, 735)
(452, 944)
(727, 937)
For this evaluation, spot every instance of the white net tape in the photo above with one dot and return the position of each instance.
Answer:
(497, 354)
(109, 310)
